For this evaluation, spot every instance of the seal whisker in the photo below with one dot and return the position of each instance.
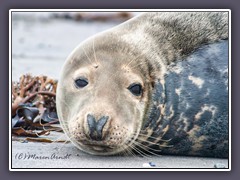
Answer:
(61, 146)
(64, 123)
(137, 150)
(156, 143)
(151, 137)
(140, 146)
(126, 152)
(130, 153)
(157, 150)
(74, 140)
(71, 138)
(68, 106)
(88, 57)
(94, 52)
(140, 152)
(129, 150)
(123, 152)
(144, 147)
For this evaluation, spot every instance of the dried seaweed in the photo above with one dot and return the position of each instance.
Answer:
(34, 106)
(19, 131)
(45, 140)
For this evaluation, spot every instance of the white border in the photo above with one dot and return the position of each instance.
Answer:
(113, 10)
(230, 87)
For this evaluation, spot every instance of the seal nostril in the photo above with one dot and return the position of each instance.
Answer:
(91, 123)
(96, 127)
(100, 124)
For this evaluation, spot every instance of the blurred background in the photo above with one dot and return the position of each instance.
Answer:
(41, 41)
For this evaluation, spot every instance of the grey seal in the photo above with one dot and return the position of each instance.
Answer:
(155, 84)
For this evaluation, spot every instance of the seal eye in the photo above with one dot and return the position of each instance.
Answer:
(80, 83)
(135, 89)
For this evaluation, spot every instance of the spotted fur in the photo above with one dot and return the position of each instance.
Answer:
(197, 115)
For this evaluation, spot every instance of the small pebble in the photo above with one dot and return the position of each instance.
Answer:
(152, 164)
(148, 165)
(219, 165)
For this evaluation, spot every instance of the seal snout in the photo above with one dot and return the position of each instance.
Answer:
(96, 127)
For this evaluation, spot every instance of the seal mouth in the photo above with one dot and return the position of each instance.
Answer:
(98, 146)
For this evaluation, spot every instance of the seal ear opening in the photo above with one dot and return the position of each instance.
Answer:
(152, 84)
(152, 80)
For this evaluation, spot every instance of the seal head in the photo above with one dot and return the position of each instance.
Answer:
(101, 101)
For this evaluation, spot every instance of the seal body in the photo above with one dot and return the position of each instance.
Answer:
(156, 84)
(195, 104)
